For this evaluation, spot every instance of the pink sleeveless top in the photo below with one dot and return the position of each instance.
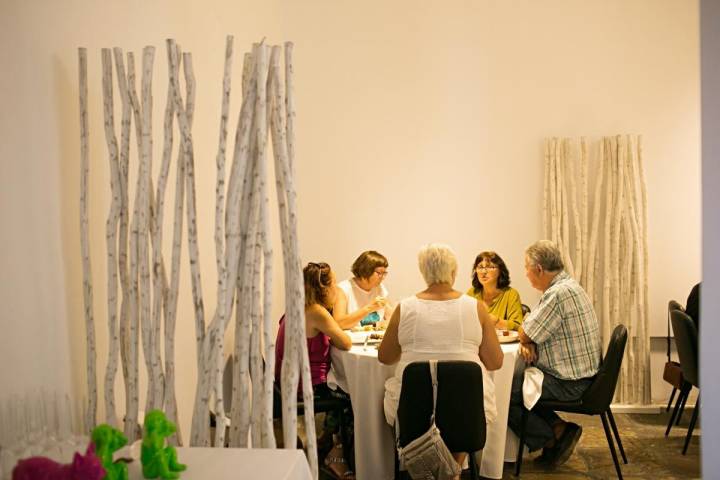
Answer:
(318, 351)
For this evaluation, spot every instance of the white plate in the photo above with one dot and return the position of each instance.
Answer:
(359, 337)
(512, 337)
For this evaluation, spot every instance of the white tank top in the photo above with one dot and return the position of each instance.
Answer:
(439, 330)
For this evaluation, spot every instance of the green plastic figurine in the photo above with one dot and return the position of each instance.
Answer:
(107, 441)
(157, 459)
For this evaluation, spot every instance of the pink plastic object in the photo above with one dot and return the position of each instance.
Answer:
(83, 467)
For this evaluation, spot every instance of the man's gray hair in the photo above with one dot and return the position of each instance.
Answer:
(546, 254)
(437, 263)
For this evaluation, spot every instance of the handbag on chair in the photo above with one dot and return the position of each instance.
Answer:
(427, 457)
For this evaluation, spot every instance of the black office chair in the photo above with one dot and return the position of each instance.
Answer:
(460, 412)
(595, 401)
(673, 375)
(686, 341)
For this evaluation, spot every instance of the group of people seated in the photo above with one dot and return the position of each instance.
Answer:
(560, 336)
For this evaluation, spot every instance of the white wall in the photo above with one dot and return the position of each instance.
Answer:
(416, 123)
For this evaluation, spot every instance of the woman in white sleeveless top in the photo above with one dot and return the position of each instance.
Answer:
(440, 323)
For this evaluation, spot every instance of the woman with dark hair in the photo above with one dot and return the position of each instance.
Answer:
(321, 331)
(491, 285)
(363, 298)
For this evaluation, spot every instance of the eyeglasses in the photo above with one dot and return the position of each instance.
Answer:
(480, 268)
(381, 274)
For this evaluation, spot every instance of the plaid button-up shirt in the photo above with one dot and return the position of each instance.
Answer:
(565, 329)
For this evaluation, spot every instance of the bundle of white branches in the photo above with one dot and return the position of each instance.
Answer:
(243, 249)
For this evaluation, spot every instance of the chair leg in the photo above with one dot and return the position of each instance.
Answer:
(523, 424)
(680, 396)
(611, 445)
(474, 474)
(682, 406)
(692, 425)
(672, 395)
(617, 435)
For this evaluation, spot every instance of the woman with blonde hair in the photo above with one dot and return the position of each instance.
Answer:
(439, 323)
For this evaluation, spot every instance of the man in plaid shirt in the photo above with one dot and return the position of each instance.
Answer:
(560, 337)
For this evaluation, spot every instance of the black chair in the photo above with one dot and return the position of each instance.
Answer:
(460, 412)
(673, 375)
(595, 401)
(525, 310)
(322, 405)
(686, 341)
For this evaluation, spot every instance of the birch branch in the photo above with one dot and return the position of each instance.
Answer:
(111, 229)
(124, 156)
(85, 243)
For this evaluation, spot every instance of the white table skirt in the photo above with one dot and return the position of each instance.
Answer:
(360, 374)
(236, 463)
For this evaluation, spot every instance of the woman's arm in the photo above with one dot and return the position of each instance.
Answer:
(490, 352)
(320, 319)
(389, 351)
(348, 320)
(514, 310)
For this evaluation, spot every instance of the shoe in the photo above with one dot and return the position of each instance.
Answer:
(545, 458)
(566, 444)
(336, 466)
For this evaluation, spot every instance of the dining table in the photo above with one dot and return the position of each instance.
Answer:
(359, 373)
(235, 463)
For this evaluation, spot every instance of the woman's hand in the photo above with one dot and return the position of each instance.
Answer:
(377, 304)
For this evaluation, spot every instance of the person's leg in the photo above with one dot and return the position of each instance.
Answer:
(460, 459)
(538, 432)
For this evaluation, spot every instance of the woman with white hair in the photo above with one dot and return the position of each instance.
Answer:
(439, 323)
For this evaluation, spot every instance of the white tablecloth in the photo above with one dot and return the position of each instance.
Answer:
(236, 463)
(359, 373)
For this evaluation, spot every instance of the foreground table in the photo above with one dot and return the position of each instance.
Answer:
(237, 463)
(359, 373)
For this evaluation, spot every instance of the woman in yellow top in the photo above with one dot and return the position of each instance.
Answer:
(491, 284)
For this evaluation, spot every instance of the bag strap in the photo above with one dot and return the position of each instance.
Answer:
(433, 376)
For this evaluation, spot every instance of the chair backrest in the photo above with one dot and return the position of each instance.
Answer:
(673, 305)
(686, 342)
(460, 413)
(525, 309)
(599, 395)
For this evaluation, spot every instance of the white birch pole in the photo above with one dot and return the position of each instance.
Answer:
(143, 117)
(546, 194)
(299, 300)
(607, 231)
(577, 224)
(124, 156)
(132, 400)
(236, 228)
(244, 311)
(565, 244)
(616, 217)
(170, 401)
(644, 285)
(584, 209)
(85, 243)
(111, 229)
(290, 106)
(262, 244)
(160, 288)
(594, 230)
(554, 221)
(199, 434)
(217, 356)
